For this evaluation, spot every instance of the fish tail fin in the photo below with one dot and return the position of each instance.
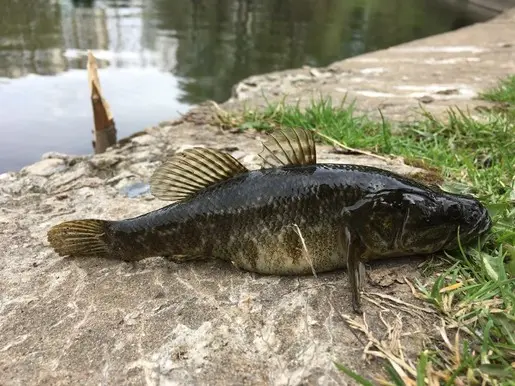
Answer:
(81, 238)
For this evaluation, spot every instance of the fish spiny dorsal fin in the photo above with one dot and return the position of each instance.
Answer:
(185, 173)
(289, 146)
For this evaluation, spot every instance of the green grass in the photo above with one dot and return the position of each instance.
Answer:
(504, 92)
(476, 289)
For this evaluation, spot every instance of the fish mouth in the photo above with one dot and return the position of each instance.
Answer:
(482, 225)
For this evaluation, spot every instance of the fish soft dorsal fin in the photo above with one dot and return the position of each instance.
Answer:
(184, 174)
(289, 146)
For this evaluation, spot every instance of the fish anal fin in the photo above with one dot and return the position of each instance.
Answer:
(289, 146)
(186, 173)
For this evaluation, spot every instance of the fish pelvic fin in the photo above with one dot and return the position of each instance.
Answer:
(289, 146)
(188, 172)
(81, 238)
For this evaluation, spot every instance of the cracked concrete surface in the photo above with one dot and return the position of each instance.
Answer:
(91, 321)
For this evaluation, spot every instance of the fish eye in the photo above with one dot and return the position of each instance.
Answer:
(454, 212)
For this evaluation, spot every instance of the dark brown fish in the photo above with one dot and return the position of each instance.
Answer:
(296, 218)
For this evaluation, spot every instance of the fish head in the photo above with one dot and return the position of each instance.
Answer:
(469, 214)
(413, 222)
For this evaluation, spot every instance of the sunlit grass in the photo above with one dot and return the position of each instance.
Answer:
(475, 294)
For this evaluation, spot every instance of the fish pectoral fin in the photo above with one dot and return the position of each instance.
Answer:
(188, 172)
(355, 268)
(289, 146)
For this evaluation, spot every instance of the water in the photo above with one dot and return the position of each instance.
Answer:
(158, 57)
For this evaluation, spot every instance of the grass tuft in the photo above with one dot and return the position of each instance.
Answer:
(504, 92)
(474, 292)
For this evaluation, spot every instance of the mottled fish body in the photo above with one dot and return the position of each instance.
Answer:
(296, 218)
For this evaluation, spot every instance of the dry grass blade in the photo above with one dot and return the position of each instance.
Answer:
(305, 252)
(225, 119)
(382, 350)
(351, 149)
(451, 287)
(401, 302)
(379, 303)
(414, 292)
(445, 338)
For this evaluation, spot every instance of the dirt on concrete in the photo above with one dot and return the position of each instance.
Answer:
(91, 321)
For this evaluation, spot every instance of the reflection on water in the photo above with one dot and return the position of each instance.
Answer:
(157, 57)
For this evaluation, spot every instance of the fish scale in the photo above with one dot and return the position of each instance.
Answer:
(295, 218)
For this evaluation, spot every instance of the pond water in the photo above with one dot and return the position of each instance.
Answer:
(158, 57)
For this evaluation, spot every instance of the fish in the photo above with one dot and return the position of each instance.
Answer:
(292, 216)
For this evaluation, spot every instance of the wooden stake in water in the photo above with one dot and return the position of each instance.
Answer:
(104, 134)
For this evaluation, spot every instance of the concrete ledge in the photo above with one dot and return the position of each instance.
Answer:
(491, 6)
(437, 72)
(480, 9)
